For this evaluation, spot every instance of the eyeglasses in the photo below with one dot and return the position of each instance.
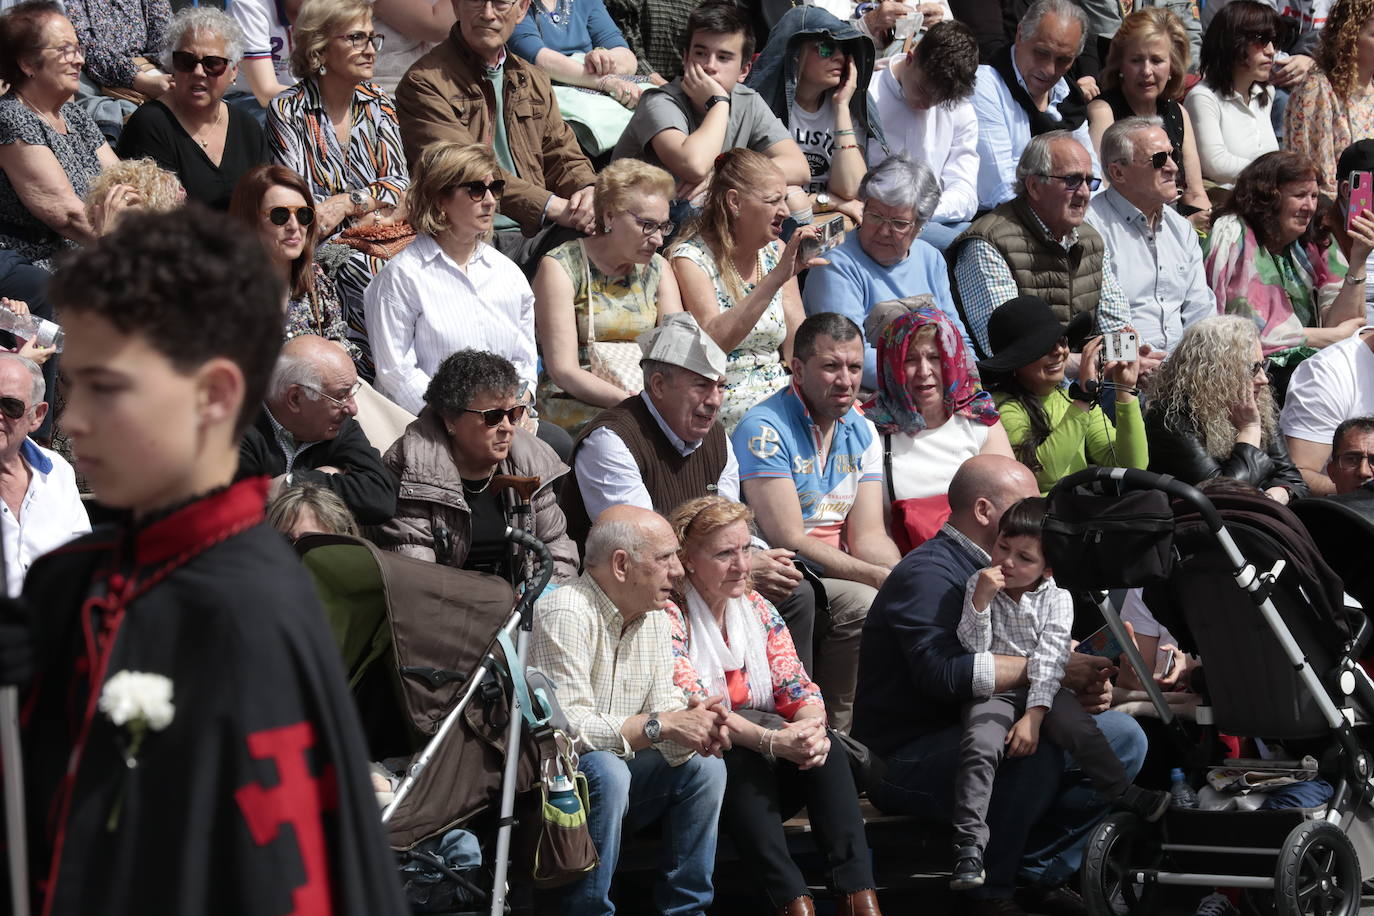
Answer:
(185, 62)
(359, 40)
(1260, 368)
(341, 403)
(649, 226)
(1074, 182)
(828, 49)
(13, 408)
(278, 216)
(478, 189)
(899, 226)
(1347, 461)
(1259, 39)
(499, 7)
(493, 416)
(1157, 160)
(67, 51)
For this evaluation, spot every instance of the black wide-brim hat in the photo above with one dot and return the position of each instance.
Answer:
(1020, 331)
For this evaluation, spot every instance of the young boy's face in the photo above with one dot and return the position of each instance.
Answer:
(135, 421)
(720, 56)
(1020, 559)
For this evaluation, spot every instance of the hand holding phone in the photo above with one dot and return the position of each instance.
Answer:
(1361, 196)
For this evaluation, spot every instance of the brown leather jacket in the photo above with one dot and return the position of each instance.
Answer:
(445, 96)
(431, 496)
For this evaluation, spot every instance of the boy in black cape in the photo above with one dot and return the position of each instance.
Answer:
(229, 774)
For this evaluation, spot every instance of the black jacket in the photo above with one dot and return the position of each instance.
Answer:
(365, 486)
(1179, 452)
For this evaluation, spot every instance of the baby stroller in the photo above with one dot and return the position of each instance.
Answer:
(455, 641)
(1239, 582)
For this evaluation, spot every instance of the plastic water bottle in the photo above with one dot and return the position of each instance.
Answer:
(1184, 796)
(563, 795)
(30, 327)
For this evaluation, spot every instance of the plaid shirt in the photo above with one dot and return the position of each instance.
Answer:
(1035, 628)
(606, 670)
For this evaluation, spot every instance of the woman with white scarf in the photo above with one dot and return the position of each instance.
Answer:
(731, 643)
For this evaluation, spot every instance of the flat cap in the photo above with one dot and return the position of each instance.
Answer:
(680, 341)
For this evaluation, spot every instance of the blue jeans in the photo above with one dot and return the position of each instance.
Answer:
(634, 793)
(940, 235)
(1042, 807)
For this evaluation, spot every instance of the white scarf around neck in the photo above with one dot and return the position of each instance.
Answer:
(711, 657)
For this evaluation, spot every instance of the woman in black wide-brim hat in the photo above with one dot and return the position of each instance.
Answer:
(1056, 431)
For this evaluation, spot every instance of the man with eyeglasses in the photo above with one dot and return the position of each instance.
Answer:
(1036, 244)
(1155, 252)
(1352, 455)
(470, 90)
(307, 431)
(41, 508)
(1328, 388)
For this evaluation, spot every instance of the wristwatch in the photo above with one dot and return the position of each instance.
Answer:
(716, 100)
(653, 729)
(823, 203)
(360, 201)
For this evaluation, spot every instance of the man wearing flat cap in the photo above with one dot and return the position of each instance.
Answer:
(665, 445)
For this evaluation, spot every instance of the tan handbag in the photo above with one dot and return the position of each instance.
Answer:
(614, 361)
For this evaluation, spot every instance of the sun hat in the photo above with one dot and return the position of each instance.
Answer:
(1020, 331)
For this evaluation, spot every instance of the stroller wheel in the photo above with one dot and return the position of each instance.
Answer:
(1120, 844)
(1318, 873)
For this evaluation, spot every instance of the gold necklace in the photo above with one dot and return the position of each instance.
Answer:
(205, 144)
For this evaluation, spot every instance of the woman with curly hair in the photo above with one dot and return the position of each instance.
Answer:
(1212, 413)
(1334, 106)
(1258, 267)
(131, 184)
(1144, 76)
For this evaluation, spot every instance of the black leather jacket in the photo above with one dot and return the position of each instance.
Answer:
(1179, 452)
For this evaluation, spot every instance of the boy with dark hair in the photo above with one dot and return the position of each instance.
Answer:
(1012, 607)
(684, 125)
(189, 742)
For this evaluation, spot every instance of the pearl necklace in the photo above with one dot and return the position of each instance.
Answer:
(58, 125)
(758, 270)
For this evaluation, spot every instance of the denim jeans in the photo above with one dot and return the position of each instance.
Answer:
(634, 793)
(940, 235)
(1042, 807)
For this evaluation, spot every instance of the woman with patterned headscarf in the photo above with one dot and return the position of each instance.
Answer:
(933, 414)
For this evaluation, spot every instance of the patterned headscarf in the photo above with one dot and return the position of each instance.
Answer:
(892, 409)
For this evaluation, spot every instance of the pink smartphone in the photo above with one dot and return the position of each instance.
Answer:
(1361, 195)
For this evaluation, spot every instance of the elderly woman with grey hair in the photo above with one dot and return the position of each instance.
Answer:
(190, 130)
(883, 259)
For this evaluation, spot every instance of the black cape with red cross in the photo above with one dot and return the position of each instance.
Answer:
(255, 799)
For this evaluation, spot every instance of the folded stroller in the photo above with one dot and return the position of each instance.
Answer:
(1240, 584)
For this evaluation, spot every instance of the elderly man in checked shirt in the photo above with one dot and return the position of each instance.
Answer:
(604, 640)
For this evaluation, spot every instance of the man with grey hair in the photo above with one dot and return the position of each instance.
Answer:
(1155, 252)
(41, 509)
(605, 641)
(307, 431)
(1022, 92)
(1036, 244)
(883, 259)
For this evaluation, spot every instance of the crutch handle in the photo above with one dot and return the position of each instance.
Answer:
(524, 487)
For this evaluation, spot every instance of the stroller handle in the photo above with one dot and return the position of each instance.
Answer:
(1124, 479)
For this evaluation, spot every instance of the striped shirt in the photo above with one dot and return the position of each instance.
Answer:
(422, 307)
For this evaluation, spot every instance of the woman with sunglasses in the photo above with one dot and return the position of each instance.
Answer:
(1334, 106)
(190, 130)
(1230, 107)
(1213, 414)
(337, 129)
(609, 287)
(275, 203)
(468, 432)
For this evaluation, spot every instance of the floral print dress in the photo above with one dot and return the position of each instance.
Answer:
(754, 369)
(1319, 124)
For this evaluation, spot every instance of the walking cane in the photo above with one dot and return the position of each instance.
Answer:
(13, 764)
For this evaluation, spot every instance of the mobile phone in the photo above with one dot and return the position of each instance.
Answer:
(1168, 665)
(1121, 346)
(828, 234)
(1361, 196)
(1102, 644)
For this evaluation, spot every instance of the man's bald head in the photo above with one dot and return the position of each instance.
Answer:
(311, 393)
(632, 554)
(627, 528)
(983, 488)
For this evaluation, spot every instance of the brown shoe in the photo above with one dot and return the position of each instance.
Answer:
(802, 906)
(859, 903)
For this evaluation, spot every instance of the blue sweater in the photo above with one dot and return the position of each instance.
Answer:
(914, 675)
(852, 283)
(590, 26)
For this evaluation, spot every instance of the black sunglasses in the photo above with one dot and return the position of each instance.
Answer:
(1260, 39)
(478, 190)
(185, 62)
(279, 215)
(1158, 159)
(13, 408)
(492, 416)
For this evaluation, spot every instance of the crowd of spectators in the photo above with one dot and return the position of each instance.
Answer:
(769, 461)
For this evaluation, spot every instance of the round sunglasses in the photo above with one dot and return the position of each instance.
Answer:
(278, 216)
(186, 62)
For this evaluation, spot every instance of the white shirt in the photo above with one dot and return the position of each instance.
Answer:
(945, 138)
(1332, 386)
(814, 132)
(422, 307)
(1231, 132)
(923, 464)
(608, 476)
(1004, 132)
(265, 37)
(50, 515)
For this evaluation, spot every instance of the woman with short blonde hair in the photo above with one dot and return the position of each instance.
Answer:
(442, 167)
(131, 184)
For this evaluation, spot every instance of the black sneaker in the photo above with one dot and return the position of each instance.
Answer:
(1149, 804)
(968, 868)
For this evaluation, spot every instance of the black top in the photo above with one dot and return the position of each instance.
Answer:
(489, 551)
(1178, 451)
(153, 131)
(1168, 110)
